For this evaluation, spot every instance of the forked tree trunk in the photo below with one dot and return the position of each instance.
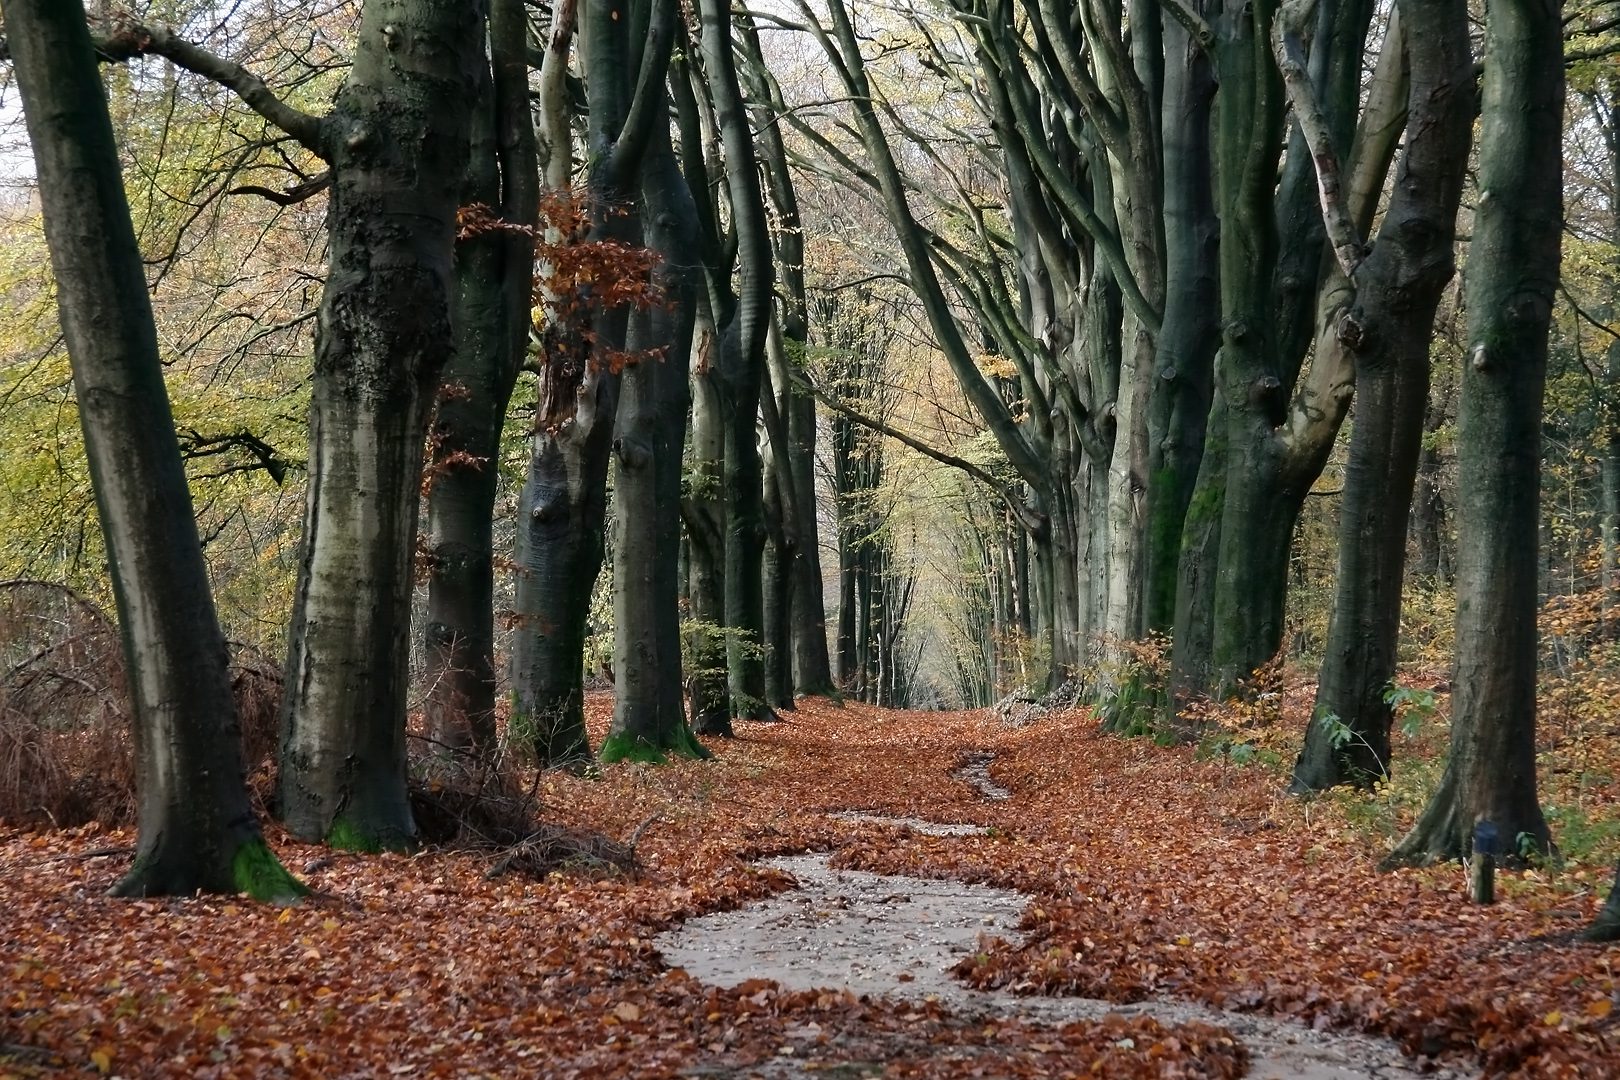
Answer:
(740, 351)
(649, 713)
(1513, 265)
(1270, 431)
(563, 510)
(397, 140)
(197, 830)
(1247, 586)
(494, 282)
(811, 667)
(1398, 290)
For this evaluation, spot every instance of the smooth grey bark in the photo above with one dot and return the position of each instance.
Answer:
(1247, 598)
(561, 542)
(703, 512)
(563, 508)
(1512, 275)
(1388, 330)
(781, 526)
(1184, 366)
(807, 615)
(703, 505)
(397, 141)
(197, 831)
(494, 286)
(649, 714)
(742, 323)
(812, 663)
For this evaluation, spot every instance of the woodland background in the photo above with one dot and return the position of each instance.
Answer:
(926, 357)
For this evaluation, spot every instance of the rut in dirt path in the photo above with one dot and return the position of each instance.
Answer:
(975, 770)
(899, 937)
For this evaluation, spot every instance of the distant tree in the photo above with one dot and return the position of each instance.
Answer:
(197, 829)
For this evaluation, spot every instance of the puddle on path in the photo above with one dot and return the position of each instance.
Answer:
(915, 824)
(899, 936)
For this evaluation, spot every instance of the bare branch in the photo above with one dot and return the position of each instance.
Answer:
(1031, 519)
(290, 196)
(1348, 247)
(129, 39)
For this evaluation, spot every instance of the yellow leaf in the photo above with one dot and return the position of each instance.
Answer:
(1553, 1019)
(101, 1058)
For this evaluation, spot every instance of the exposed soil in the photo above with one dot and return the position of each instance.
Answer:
(898, 937)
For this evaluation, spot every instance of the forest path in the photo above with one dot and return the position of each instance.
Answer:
(899, 937)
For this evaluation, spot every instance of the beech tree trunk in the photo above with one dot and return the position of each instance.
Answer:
(1249, 580)
(704, 514)
(1184, 366)
(494, 285)
(806, 619)
(1398, 289)
(742, 322)
(778, 581)
(1431, 561)
(397, 145)
(649, 712)
(812, 665)
(197, 831)
(649, 718)
(1513, 266)
(561, 541)
(1271, 426)
(563, 509)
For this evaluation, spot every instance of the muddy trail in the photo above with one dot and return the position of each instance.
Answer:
(898, 937)
(853, 892)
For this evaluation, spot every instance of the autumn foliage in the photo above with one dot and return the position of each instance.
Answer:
(1151, 873)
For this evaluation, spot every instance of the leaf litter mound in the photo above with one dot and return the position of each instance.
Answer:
(1150, 876)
